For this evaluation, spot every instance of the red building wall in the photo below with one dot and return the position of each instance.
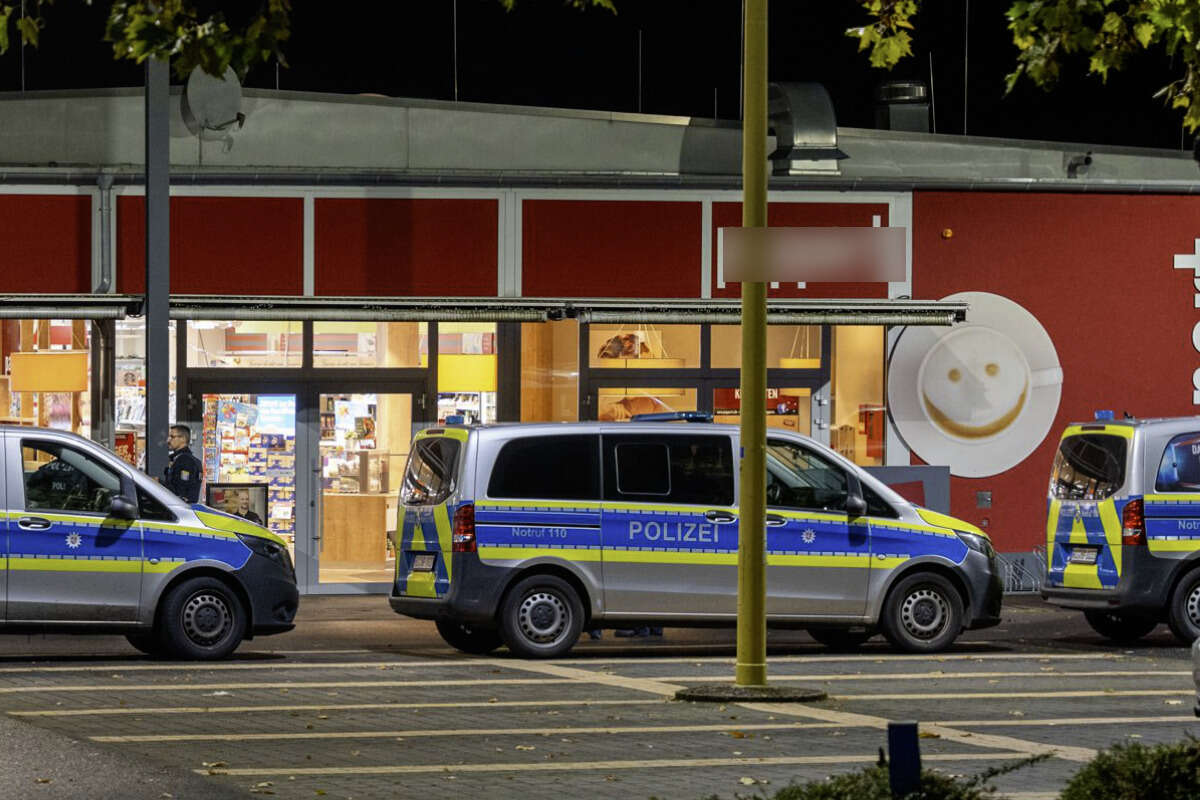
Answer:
(610, 248)
(406, 246)
(47, 243)
(1097, 272)
(219, 245)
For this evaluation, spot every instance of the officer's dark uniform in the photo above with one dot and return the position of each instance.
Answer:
(183, 474)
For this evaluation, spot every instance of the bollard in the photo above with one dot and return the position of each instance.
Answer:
(904, 762)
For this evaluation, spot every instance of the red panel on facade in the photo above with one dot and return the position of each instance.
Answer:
(219, 245)
(611, 248)
(803, 215)
(1097, 272)
(394, 247)
(47, 243)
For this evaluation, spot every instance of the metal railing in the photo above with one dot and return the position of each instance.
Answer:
(1023, 573)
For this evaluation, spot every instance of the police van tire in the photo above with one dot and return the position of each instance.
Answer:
(469, 638)
(147, 643)
(840, 639)
(1184, 614)
(1123, 628)
(201, 620)
(541, 617)
(922, 613)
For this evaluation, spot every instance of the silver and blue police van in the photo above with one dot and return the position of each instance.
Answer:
(91, 544)
(1123, 525)
(527, 534)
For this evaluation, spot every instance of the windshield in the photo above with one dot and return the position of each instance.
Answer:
(1090, 466)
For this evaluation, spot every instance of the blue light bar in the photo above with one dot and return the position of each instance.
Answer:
(1104, 414)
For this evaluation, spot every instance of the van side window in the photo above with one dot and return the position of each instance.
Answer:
(876, 505)
(1179, 470)
(432, 465)
(668, 468)
(149, 508)
(60, 478)
(799, 478)
(548, 467)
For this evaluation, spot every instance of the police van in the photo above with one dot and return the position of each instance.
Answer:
(1123, 525)
(91, 544)
(527, 534)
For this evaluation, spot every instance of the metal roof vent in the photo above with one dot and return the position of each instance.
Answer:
(801, 114)
(902, 106)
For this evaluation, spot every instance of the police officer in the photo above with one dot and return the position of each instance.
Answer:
(183, 472)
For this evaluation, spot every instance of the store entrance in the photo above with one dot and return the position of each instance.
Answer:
(319, 464)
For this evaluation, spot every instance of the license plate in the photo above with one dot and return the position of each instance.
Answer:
(1084, 555)
(423, 562)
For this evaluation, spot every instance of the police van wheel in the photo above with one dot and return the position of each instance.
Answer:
(1125, 628)
(839, 639)
(542, 617)
(469, 638)
(201, 619)
(922, 613)
(147, 643)
(1184, 614)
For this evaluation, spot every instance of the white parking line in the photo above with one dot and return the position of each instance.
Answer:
(196, 687)
(1021, 722)
(570, 766)
(86, 712)
(419, 733)
(515, 664)
(935, 675)
(1000, 695)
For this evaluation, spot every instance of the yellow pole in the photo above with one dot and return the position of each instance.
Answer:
(752, 595)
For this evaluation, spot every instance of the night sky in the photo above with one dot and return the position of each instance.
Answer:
(545, 54)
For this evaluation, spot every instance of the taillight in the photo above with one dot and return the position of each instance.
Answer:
(463, 537)
(1133, 523)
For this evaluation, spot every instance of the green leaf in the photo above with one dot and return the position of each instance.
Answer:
(5, 13)
(1144, 33)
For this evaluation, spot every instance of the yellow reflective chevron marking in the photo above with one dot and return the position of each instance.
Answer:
(1124, 431)
(940, 521)
(420, 584)
(235, 526)
(441, 520)
(1078, 532)
(1080, 576)
(1112, 533)
(1051, 530)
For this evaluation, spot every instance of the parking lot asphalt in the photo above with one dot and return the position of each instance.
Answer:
(360, 703)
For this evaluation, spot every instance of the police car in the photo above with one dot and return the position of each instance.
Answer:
(1123, 525)
(526, 534)
(91, 544)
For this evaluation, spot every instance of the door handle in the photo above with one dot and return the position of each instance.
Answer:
(719, 517)
(774, 521)
(34, 523)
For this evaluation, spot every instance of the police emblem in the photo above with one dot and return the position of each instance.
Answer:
(809, 536)
(74, 540)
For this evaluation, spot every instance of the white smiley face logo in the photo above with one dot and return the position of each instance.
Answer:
(974, 383)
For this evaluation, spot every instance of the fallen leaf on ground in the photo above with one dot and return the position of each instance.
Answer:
(737, 734)
(1173, 702)
(43, 780)
(525, 747)
(213, 764)
(928, 735)
(747, 781)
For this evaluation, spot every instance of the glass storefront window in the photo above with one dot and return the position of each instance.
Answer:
(788, 346)
(248, 448)
(244, 344)
(364, 445)
(46, 374)
(130, 390)
(790, 409)
(550, 371)
(370, 344)
(466, 369)
(619, 404)
(644, 346)
(859, 416)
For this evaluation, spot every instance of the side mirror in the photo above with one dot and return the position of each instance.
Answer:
(856, 506)
(123, 508)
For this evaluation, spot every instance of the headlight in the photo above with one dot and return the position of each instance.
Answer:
(980, 544)
(268, 548)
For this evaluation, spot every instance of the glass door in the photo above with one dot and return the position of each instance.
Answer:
(362, 451)
(250, 449)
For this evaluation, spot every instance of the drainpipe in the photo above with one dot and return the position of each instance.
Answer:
(104, 331)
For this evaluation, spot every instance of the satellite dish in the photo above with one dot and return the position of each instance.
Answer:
(212, 104)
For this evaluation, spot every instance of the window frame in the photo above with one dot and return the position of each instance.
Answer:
(611, 442)
(593, 441)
